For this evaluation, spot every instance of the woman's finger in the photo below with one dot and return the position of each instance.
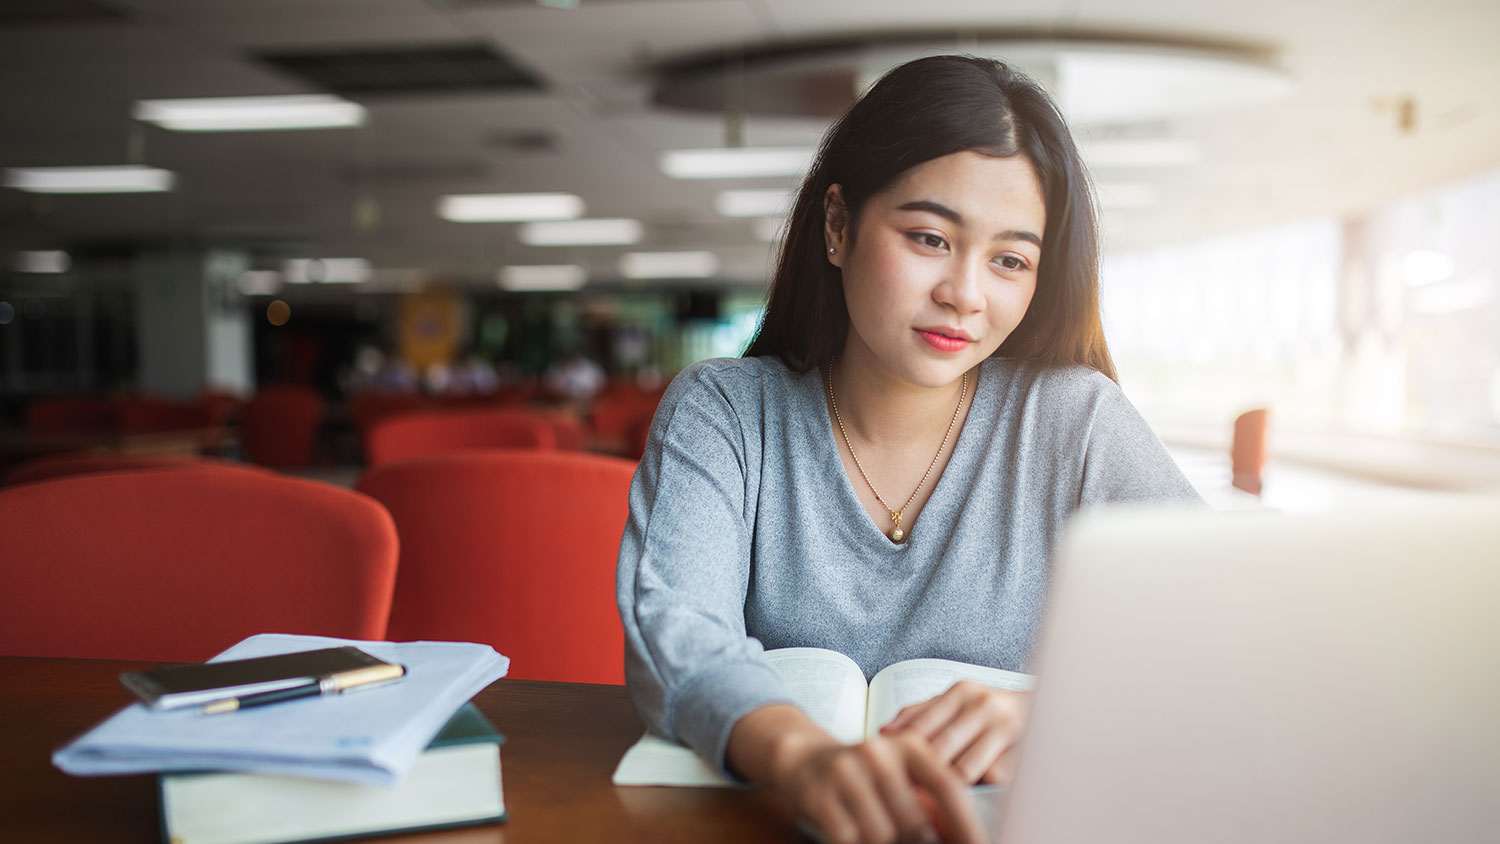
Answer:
(905, 714)
(852, 776)
(825, 808)
(912, 821)
(951, 795)
(1003, 770)
(980, 756)
(940, 711)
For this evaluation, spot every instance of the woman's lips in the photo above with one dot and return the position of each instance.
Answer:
(943, 342)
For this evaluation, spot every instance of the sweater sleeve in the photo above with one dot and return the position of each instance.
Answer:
(1124, 460)
(683, 573)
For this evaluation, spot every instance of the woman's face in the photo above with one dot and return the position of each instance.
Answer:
(943, 267)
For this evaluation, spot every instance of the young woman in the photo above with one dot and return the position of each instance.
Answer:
(884, 473)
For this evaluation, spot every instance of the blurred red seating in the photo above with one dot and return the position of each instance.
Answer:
(144, 415)
(280, 425)
(67, 465)
(74, 415)
(178, 565)
(516, 549)
(429, 433)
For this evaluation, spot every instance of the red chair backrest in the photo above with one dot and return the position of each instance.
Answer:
(281, 425)
(569, 430)
(516, 549)
(1247, 451)
(67, 465)
(71, 416)
(369, 408)
(149, 415)
(426, 434)
(178, 565)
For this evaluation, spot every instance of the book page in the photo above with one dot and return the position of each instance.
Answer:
(829, 686)
(916, 680)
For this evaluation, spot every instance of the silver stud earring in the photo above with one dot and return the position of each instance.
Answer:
(832, 251)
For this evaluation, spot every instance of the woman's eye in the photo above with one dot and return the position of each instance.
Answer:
(1012, 262)
(931, 241)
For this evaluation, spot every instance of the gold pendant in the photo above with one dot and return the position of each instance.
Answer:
(896, 534)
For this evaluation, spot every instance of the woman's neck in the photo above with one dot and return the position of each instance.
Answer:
(887, 412)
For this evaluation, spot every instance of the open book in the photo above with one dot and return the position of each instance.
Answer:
(831, 688)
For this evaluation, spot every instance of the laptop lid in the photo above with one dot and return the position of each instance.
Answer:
(1256, 677)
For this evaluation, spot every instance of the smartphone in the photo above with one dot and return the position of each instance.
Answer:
(176, 686)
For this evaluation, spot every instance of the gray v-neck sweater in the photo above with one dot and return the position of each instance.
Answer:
(745, 533)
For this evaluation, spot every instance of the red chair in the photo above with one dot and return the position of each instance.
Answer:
(143, 415)
(569, 430)
(67, 465)
(618, 421)
(369, 408)
(71, 416)
(281, 425)
(413, 435)
(516, 549)
(1247, 452)
(178, 565)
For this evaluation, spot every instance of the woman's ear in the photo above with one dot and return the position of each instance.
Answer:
(835, 225)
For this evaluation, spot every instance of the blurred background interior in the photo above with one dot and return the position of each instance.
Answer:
(261, 229)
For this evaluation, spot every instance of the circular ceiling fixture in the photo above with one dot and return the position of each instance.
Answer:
(1098, 80)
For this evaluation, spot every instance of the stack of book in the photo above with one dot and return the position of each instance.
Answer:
(409, 756)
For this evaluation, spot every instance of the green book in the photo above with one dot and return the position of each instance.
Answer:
(455, 782)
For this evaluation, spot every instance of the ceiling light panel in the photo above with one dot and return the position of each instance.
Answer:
(736, 162)
(326, 271)
(669, 265)
(754, 203)
(251, 114)
(510, 207)
(45, 261)
(127, 179)
(540, 277)
(595, 232)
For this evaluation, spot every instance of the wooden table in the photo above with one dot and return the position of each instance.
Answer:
(563, 742)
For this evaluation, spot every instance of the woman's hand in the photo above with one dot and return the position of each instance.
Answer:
(971, 727)
(871, 792)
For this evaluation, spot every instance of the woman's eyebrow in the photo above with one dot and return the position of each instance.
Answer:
(958, 220)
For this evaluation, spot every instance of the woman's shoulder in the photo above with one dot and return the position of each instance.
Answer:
(736, 380)
(1069, 384)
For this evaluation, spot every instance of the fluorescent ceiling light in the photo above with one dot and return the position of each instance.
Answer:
(669, 265)
(50, 261)
(251, 114)
(736, 162)
(509, 207)
(543, 277)
(596, 232)
(126, 179)
(258, 282)
(326, 270)
(753, 203)
(1121, 197)
(1141, 152)
(768, 229)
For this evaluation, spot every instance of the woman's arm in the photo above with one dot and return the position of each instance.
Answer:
(684, 568)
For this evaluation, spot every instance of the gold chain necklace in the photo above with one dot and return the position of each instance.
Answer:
(896, 534)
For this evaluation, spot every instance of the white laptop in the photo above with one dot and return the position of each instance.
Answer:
(1256, 677)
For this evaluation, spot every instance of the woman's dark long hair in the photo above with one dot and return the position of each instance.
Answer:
(923, 110)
